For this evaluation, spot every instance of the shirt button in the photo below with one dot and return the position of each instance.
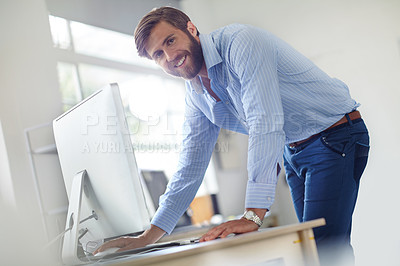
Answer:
(269, 198)
(227, 102)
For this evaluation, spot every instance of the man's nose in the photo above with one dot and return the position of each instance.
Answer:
(169, 55)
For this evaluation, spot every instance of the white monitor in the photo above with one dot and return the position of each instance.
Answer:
(100, 174)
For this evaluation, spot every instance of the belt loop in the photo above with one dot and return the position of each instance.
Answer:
(348, 119)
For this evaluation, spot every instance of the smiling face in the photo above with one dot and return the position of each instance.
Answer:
(178, 53)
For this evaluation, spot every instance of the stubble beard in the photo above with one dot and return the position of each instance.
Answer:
(190, 71)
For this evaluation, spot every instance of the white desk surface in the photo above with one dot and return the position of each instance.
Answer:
(284, 245)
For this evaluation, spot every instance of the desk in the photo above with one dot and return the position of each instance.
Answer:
(291, 245)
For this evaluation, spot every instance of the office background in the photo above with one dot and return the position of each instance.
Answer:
(356, 41)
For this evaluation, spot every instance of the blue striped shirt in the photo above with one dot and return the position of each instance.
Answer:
(269, 91)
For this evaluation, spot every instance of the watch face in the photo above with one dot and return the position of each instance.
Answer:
(252, 216)
(249, 214)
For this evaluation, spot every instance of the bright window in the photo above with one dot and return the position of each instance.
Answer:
(106, 44)
(91, 57)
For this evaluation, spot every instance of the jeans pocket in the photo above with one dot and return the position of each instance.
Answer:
(336, 141)
(360, 159)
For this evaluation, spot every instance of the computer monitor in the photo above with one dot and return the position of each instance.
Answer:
(100, 174)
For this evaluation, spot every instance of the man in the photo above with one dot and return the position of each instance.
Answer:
(247, 80)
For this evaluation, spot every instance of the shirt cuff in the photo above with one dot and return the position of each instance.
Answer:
(166, 219)
(260, 195)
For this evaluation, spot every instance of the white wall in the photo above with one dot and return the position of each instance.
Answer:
(29, 95)
(358, 42)
(6, 186)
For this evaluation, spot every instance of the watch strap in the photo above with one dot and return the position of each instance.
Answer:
(252, 216)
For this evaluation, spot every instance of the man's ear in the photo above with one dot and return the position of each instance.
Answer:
(192, 29)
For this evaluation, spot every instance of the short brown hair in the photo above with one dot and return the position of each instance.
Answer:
(171, 15)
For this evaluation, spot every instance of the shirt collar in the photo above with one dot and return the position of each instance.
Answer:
(210, 53)
(211, 58)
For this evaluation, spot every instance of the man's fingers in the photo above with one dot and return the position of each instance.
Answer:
(116, 243)
(103, 247)
(225, 229)
(226, 232)
(213, 233)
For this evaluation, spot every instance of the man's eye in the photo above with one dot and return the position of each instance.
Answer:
(158, 55)
(170, 41)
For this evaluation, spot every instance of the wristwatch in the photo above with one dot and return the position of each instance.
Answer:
(252, 216)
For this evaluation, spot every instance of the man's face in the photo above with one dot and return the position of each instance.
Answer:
(177, 52)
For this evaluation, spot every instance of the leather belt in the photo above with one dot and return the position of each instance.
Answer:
(353, 116)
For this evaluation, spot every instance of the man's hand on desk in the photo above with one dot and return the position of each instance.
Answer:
(233, 227)
(150, 236)
(123, 243)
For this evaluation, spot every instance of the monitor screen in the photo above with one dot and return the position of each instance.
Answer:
(93, 136)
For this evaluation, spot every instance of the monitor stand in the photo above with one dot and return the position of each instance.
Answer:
(70, 244)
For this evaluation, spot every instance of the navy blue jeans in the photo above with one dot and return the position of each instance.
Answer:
(324, 174)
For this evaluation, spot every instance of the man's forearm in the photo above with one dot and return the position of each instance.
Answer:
(152, 235)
